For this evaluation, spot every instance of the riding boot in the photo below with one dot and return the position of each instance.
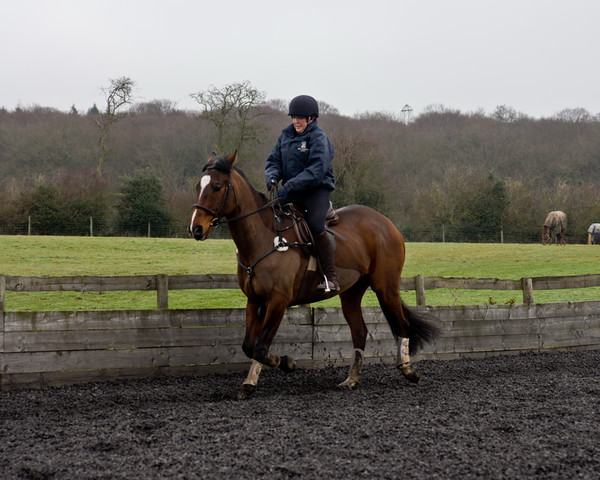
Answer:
(325, 254)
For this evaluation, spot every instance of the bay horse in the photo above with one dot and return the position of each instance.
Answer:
(555, 221)
(274, 271)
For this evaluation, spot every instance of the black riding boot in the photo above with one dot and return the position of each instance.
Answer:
(325, 254)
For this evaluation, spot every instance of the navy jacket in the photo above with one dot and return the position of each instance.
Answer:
(303, 161)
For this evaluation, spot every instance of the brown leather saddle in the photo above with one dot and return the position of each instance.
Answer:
(300, 226)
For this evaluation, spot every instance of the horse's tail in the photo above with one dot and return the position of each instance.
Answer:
(421, 330)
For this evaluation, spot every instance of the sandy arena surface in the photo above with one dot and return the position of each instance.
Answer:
(527, 416)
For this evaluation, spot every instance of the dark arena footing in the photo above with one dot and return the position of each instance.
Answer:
(526, 416)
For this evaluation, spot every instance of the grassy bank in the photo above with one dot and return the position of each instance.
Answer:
(50, 255)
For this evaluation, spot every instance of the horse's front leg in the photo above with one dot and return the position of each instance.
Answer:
(275, 310)
(262, 322)
(249, 385)
(403, 361)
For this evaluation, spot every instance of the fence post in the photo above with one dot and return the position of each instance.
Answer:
(29, 225)
(91, 227)
(527, 286)
(2, 292)
(148, 229)
(420, 289)
(162, 291)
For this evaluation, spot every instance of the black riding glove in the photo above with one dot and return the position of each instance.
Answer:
(271, 184)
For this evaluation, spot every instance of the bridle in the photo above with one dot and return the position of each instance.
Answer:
(280, 244)
(216, 214)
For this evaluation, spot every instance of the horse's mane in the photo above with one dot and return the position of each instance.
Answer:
(221, 164)
(261, 195)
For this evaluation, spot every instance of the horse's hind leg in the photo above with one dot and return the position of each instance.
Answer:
(391, 305)
(562, 238)
(351, 300)
(403, 361)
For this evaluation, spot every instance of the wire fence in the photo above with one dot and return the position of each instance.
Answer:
(443, 234)
(93, 229)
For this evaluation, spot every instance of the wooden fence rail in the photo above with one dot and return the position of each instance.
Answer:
(163, 283)
(58, 347)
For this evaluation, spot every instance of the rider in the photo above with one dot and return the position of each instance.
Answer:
(301, 159)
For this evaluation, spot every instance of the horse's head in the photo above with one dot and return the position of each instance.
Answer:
(213, 199)
(546, 238)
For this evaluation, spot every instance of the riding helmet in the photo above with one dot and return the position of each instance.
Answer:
(303, 106)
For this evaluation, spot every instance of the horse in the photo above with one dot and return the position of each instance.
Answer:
(274, 272)
(555, 221)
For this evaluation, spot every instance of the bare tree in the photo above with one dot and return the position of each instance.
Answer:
(154, 107)
(118, 94)
(505, 113)
(231, 110)
(574, 115)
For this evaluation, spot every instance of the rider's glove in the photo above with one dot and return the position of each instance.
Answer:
(282, 194)
(271, 184)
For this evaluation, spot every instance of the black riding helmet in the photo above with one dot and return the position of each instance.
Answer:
(303, 106)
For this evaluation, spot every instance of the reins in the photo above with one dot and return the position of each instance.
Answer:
(218, 220)
(279, 244)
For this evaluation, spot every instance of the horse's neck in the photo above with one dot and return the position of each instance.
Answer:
(251, 234)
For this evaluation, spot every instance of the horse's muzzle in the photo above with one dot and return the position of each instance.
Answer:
(197, 232)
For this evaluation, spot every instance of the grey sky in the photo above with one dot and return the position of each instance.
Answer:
(536, 56)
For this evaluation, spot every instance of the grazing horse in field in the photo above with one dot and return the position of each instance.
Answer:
(275, 272)
(556, 221)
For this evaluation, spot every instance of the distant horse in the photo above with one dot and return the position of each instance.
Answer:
(555, 222)
(275, 272)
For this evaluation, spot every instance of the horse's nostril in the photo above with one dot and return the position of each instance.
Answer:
(197, 232)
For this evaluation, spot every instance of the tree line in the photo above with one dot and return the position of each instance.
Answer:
(444, 175)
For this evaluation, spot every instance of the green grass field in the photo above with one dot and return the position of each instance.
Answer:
(51, 255)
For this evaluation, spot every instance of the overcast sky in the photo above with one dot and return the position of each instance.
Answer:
(536, 56)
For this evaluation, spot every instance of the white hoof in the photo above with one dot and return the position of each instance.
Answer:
(348, 384)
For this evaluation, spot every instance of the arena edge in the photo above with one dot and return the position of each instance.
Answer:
(63, 347)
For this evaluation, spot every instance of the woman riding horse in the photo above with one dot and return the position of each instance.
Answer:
(301, 159)
(275, 273)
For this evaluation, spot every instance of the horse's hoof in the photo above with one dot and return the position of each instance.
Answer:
(409, 373)
(245, 391)
(287, 364)
(348, 384)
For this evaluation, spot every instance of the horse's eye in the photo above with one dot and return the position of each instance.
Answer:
(218, 187)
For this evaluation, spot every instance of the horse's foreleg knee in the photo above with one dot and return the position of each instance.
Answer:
(355, 373)
(403, 362)
(261, 354)
(248, 350)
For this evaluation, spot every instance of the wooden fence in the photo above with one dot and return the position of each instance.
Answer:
(58, 347)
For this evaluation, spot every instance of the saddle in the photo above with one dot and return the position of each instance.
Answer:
(303, 233)
(300, 225)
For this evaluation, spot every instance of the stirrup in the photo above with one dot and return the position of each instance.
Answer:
(327, 285)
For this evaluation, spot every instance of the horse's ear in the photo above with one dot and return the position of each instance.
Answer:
(211, 157)
(232, 158)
